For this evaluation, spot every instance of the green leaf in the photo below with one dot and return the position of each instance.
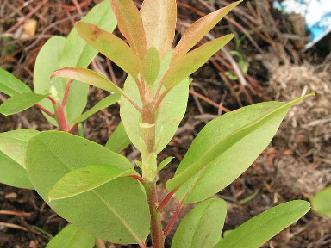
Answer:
(151, 65)
(159, 19)
(76, 52)
(202, 226)
(72, 237)
(20, 102)
(189, 63)
(131, 117)
(256, 231)
(89, 77)
(85, 179)
(120, 210)
(164, 163)
(14, 144)
(103, 104)
(46, 62)
(13, 174)
(130, 24)
(59, 52)
(167, 121)
(10, 85)
(321, 202)
(212, 161)
(111, 46)
(118, 140)
(201, 28)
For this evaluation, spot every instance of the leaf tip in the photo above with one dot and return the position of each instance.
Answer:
(310, 94)
(79, 25)
(54, 74)
(50, 198)
(229, 37)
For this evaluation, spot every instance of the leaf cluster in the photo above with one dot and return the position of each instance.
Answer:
(99, 191)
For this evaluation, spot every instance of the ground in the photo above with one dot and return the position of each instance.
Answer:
(294, 166)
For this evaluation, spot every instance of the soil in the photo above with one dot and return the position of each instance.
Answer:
(294, 166)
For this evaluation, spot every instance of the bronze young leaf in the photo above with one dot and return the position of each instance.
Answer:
(100, 192)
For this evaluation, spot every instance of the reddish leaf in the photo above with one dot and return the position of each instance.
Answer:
(201, 28)
(111, 46)
(89, 77)
(190, 62)
(130, 24)
(159, 19)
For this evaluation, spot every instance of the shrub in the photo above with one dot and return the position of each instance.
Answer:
(97, 189)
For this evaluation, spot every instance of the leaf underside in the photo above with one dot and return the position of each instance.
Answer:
(87, 76)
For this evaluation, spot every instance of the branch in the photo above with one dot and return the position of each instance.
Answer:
(165, 200)
(138, 178)
(54, 102)
(174, 218)
(66, 93)
(49, 113)
(160, 99)
(131, 102)
(157, 234)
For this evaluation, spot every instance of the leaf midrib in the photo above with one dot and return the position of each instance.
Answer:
(237, 131)
(119, 217)
(162, 19)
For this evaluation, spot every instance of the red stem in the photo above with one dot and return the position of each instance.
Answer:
(54, 102)
(73, 128)
(174, 218)
(59, 112)
(49, 113)
(66, 93)
(165, 200)
(137, 177)
(160, 99)
(157, 234)
(61, 118)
